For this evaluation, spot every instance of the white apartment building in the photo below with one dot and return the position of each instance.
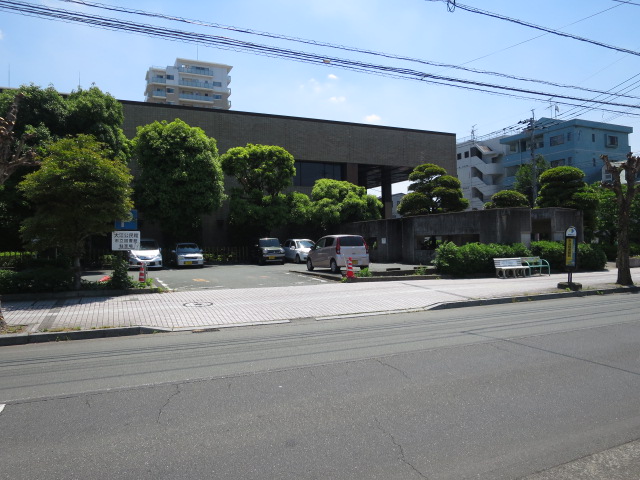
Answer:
(480, 170)
(190, 83)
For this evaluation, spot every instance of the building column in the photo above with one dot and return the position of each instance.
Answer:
(352, 173)
(387, 199)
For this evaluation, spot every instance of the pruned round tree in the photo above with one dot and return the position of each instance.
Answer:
(507, 199)
(433, 191)
(337, 201)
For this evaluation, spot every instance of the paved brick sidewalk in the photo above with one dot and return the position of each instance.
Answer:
(235, 307)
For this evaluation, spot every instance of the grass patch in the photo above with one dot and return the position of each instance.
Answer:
(12, 329)
(61, 329)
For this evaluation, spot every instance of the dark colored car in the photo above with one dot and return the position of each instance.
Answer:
(268, 250)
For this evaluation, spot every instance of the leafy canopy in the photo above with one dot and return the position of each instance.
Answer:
(507, 199)
(335, 202)
(268, 169)
(524, 177)
(180, 177)
(77, 192)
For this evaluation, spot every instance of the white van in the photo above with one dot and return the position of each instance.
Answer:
(333, 251)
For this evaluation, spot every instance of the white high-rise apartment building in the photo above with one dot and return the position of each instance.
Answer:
(190, 83)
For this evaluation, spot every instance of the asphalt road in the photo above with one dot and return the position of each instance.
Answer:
(494, 392)
(225, 276)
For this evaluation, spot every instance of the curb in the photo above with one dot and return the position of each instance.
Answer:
(43, 337)
(532, 298)
(24, 297)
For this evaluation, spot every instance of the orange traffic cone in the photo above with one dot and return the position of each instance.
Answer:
(349, 268)
(142, 277)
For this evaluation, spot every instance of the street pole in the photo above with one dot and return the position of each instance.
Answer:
(534, 170)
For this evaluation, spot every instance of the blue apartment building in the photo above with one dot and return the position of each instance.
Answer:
(576, 143)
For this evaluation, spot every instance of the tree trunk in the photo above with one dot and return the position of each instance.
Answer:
(77, 273)
(622, 257)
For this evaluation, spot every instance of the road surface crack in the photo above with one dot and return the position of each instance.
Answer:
(393, 368)
(177, 392)
(401, 455)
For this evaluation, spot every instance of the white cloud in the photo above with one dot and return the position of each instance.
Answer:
(331, 76)
(373, 118)
(1, 35)
(338, 99)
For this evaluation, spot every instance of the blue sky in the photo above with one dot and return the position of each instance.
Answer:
(65, 55)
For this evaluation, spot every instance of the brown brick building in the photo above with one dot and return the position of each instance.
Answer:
(366, 155)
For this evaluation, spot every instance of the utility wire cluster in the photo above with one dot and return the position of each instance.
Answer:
(604, 100)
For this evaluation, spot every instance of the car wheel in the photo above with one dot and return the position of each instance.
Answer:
(334, 266)
(309, 265)
(297, 259)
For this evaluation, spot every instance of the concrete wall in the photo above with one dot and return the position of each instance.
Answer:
(404, 237)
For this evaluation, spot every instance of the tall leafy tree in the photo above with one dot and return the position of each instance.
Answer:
(432, 191)
(565, 187)
(335, 202)
(263, 172)
(524, 177)
(78, 191)
(180, 177)
(624, 201)
(99, 114)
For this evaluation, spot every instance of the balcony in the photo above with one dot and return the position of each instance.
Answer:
(196, 71)
(157, 79)
(194, 97)
(159, 93)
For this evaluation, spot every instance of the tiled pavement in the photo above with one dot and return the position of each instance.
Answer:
(235, 307)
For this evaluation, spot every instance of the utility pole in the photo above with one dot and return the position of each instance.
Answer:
(534, 169)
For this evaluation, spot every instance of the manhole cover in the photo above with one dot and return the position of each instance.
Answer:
(198, 304)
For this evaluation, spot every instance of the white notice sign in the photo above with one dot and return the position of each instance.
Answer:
(125, 240)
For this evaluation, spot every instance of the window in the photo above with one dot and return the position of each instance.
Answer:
(466, 154)
(558, 163)
(570, 161)
(593, 137)
(308, 172)
(170, 90)
(612, 141)
(556, 140)
(217, 84)
(169, 77)
(569, 136)
(459, 156)
(594, 161)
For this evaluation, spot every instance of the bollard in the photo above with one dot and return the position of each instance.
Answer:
(142, 277)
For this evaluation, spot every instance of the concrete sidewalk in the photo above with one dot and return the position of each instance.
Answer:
(194, 310)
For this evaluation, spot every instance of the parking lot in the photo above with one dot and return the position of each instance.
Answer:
(230, 276)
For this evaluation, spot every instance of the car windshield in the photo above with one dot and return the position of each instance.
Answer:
(269, 242)
(188, 248)
(148, 245)
(305, 244)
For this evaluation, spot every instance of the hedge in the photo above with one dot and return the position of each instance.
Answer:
(477, 258)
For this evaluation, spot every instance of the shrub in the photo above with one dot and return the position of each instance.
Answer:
(120, 279)
(47, 279)
(591, 257)
(474, 258)
(552, 252)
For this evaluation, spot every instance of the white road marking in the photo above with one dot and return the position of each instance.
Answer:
(2, 405)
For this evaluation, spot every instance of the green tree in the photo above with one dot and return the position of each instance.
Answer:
(433, 191)
(180, 177)
(268, 169)
(99, 114)
(524, 177)
(564, 187)
(335, 202)
(624, 201)
(77, 192)
(263, 172)
(507, 199)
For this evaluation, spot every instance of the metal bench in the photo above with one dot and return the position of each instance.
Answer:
(536, 263)
(504, 266)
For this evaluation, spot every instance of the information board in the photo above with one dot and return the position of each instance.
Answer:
(125, 240)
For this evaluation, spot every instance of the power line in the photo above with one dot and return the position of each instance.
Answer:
(304, 57)
(324, 44)
(538, 27)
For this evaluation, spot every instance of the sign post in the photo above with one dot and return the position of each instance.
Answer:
(125, 240)
(570, 258)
